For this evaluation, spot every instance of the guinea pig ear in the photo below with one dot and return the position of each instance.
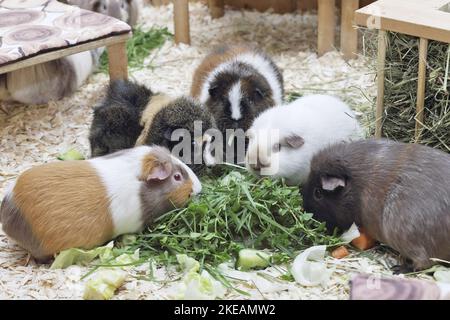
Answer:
(160, 172)
(330, 183)
(295, 141)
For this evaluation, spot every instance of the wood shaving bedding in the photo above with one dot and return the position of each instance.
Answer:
(31, 135)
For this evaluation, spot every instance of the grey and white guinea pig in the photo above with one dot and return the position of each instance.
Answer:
(131, 114)
(283, 140)
(125, 10)
(236, 84)
(399, 193)
(83, 204)
(56, 79)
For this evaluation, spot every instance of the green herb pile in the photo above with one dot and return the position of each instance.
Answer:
(235, 211)
(139, 47)
(402, 59)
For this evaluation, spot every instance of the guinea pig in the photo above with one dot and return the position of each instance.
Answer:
(125, 10)
(131, 114)
(83, 204)
(56, 79)
(282, 140)
(399, 193)
(236, 83)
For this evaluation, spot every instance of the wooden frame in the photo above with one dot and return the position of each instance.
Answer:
(427, 20)
(326, 20)
(116, 46)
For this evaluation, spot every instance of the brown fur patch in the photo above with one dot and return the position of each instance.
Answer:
(149, 162)
(156, 104)
(66, 205)
(211, 62)
(180, 196)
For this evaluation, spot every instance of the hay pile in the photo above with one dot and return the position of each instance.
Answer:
(402, 59)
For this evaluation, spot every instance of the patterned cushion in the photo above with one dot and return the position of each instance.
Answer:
(29, 27)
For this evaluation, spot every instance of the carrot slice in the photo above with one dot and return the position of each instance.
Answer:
(364, 241)
(340, 252)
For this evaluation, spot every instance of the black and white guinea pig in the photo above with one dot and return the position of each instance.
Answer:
(237, 83)
(131, 114)
(83, 204)
(399, 193)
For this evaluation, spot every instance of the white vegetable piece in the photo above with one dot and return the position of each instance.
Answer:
(309, 269)
(351, 234)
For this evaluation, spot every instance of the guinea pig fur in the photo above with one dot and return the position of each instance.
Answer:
(132, 115)
(236, 83)
(83, 204)
(399, 193)
(56, 79)
(283, 140)
(116, 124)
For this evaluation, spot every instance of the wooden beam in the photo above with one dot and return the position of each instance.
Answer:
(349, 33)
(326, 26)
(118, 61)
(421, 85)
(217, 8)
(181, 20)
(66, 51)
(381, 61)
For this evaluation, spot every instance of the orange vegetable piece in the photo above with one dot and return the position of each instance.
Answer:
(340, 252)
(364, 241)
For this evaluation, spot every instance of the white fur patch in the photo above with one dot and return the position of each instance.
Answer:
(258, 62)
(235, 96)
(82, 64)
(120, 176)
(196, 185)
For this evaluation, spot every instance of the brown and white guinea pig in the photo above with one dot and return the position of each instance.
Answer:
(83, 204)
(56, 79)
(131, 114)
(399, 193)
(236, 84)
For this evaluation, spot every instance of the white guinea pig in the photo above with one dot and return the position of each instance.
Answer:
(83, 204)
(283, 140)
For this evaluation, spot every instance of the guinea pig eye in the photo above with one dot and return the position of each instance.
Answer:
(177, 177)
(318, 195)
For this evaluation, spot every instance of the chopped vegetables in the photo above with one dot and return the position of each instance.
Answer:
(351, 233)
(104, 283)
(195, 286)
(309, 269)
(83, 257)
(364, 241)
(72, 154)
(340, 252)
(442, 274)
(252, 259)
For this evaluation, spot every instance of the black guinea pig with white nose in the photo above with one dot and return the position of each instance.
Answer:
(400, 194)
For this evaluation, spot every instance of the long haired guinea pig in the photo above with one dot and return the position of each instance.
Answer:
(83, 204)
(282, 140)
(131, 114)
(399, 193)
(236, 83)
